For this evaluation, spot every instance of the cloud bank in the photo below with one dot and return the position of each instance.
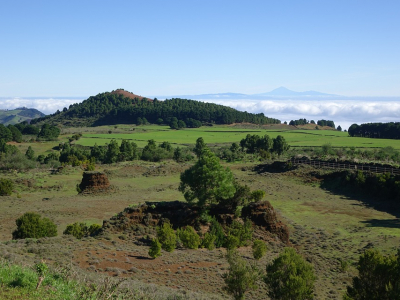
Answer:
(45, 105)
(342, 112)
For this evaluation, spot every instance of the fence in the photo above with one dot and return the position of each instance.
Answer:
(346, 166)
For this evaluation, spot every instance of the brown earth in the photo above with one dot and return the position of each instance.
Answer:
(94, 182)
(129, 95)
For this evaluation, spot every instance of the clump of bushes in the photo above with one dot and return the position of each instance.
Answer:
(32, 225)
(189, 237)
(80, 230)
(6, 187)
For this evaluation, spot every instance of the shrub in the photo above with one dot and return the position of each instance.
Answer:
(243, 232)
(240, 277)
(80, 230)
(217, 230)
(259, 249)
(189, 237)
(155, 249)
(209, 241)
(167, 237)
(32, 225)
(6, 187)
(231, 242)
(289, 276)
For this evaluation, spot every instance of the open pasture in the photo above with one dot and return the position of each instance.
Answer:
(227, 135)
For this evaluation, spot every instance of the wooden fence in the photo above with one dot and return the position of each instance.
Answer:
(346, 166)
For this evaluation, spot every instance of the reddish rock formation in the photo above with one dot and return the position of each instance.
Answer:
(94, 182)
(180, 214)
(263, 214)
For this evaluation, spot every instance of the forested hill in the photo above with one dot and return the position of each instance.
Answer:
(122, 107)
(18, 115)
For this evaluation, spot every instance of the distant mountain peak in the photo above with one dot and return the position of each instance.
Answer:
(283, 91)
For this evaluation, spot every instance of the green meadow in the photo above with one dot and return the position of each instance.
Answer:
(227, 135)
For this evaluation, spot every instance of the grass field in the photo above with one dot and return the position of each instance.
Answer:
(228, 135)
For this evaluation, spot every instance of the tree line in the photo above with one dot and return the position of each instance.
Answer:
(376, 130)
(304, 121)
(14, 132)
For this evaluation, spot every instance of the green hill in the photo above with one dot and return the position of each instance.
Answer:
(122, 107)
(19, 115)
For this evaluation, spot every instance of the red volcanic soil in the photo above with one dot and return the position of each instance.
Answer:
(129, 95)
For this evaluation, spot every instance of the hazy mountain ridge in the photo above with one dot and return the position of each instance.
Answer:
(18, 115)
(280, 92)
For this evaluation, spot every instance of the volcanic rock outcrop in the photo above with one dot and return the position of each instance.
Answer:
(94, 182)
(181, 214)
(263, 214)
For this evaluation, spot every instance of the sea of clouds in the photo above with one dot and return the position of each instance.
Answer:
(342, 112)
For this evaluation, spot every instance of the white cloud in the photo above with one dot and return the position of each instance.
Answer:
(342, 112)
(45, 105)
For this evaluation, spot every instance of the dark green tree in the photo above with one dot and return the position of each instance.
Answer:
(378, 277)
(280, 145)
(5, 133)
(48, 133)
(207, 181)
(30, 154)
(6, 187)
(199, 147)
(99, 153)
(16, 134)
(128, 151)
(113, 152)
(289, 276)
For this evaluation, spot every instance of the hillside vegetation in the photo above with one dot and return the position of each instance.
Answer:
(19, 115)
(117, 108)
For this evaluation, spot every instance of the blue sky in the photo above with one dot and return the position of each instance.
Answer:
(82, 48)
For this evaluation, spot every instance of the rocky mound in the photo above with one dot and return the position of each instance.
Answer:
(94, 182)
(180, 214)
(263, 214)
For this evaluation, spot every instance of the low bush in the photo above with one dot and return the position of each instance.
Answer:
(208, 241)
(6, 187)
(259, 249)
(80, 230)
(167, 237)
(155, 249)
(32, 225)
(189, 237)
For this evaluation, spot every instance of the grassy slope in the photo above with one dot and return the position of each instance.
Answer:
(13, 117)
